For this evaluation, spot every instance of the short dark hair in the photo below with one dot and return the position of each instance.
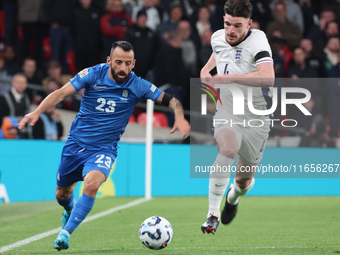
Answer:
(238, 8)
(124, 45)
(141, 12)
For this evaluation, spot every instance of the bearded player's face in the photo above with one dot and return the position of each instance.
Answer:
(236, 28)
(121, 63)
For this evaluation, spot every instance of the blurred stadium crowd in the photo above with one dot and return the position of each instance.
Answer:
(46, 42)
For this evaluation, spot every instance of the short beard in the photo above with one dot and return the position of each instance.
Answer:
(117, 79)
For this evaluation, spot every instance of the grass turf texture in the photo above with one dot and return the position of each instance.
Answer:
(263, 225)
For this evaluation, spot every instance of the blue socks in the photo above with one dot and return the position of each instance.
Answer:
(67, 204)
(81, 209)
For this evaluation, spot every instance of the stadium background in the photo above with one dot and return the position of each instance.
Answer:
(51, 40)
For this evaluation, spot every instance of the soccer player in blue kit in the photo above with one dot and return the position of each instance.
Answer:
(111, 93)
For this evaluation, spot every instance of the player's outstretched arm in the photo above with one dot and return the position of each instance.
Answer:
(264, 77)
(181, 124)
(51, 100)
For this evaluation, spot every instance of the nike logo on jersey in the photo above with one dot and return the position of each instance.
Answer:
(99, 87)
(217, 51)
(81, 150)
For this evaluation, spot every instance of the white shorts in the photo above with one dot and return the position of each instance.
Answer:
(251, 140)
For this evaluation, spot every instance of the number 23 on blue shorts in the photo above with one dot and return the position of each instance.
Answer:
(76, 162)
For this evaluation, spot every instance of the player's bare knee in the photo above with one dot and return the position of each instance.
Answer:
(61, 194)
(228, 152)
(91, 187)
(243, 182)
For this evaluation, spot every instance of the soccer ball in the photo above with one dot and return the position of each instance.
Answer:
(155, 232)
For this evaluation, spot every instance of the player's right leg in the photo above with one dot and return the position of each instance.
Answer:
(65, 198)
(228, 145)
(69, 173)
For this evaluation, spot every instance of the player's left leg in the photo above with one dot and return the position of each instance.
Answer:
(92, 182)
(228, 143)
(243, 183)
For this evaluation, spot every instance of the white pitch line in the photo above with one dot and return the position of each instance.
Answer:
(56, 230)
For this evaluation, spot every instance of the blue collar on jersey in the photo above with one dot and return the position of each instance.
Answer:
(248, 34)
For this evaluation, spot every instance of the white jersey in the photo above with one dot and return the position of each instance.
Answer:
(242, 59)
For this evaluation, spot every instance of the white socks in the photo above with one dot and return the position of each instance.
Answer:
(235, 192)
(218, 183)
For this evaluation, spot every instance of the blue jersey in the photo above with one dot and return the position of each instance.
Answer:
(106, 106)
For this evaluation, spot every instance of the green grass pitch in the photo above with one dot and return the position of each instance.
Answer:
(263, 225)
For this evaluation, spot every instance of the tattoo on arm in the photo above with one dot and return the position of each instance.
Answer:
(176, 106)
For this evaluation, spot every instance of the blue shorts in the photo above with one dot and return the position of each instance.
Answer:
(76, 162)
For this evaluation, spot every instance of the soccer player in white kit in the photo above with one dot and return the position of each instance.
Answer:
(243, 60)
